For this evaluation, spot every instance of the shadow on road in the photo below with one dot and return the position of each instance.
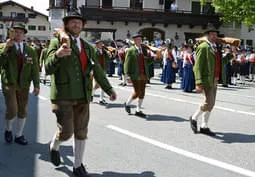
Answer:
(158, 117)
(235, 138)
(115, 174)
(65, 151)
(17, 159)
(68, 172)
(117, 105)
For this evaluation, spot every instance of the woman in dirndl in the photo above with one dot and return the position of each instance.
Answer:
(235, 66)
(242, 61)
(188, 80)
(168, 74)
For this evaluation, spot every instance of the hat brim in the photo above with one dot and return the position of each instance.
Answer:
(208, 31)
(67, 18)
(99, 42)
(17, 27)
(137, 36)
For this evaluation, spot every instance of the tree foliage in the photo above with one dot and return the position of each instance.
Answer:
(239, 11)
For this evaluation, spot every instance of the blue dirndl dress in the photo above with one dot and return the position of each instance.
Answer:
(168, 73)
(188, 79)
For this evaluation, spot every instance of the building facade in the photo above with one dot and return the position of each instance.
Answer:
(120, 19)
(36, 23)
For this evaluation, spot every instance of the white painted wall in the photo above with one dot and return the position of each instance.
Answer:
(55, 19)
(152, 4)
(246, 35)
(121, 3)
(80, 3)
(90, 2)
(184, 5)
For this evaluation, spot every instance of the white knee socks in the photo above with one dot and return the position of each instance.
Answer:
(139, 105)
(55, 143)
(124, 79)
(20, 127)
(205, 119)
(130, 99)
(8, 125)
(78, 150)
(197, 114)
(101, 95)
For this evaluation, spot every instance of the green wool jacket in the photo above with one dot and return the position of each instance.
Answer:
(131, 64)
(67, 80)
(205, 65)
(43, 56)
(9, 67)
(106, 59)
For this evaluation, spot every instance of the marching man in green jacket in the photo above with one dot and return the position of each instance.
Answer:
(102, 58)
(72, 69)
(207, 71)
(19, 65)
(42, 61)
(136, 67)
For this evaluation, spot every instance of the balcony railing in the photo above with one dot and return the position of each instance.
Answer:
(15, 19)
(154, 16)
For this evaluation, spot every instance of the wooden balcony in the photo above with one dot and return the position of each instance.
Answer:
(153, 16)
(14, 19)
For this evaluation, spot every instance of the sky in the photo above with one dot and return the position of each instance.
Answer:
(39, 5)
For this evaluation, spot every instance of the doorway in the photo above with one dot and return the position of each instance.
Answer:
(167, 5)
(152, 34)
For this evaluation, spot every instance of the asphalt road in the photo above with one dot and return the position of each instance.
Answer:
(161, 145)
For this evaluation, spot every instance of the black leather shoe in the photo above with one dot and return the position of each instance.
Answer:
(207, 131)
(140, 114)
(193, 124)
(54, 156)
(103, 102)
(8, 136)
(21, 140)
(127, 108)
(168, 87)
(80, 171)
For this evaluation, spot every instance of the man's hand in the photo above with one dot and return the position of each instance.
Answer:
(199, 89)
(36, 91)
(113, 97)
(63, 51)
(9, 43)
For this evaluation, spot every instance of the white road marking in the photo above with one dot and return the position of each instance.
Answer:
(43, 98)
(241, 95)
(185, 153)
(194, 103)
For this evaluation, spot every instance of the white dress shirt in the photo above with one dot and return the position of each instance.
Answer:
(78, 42)
(21, 44)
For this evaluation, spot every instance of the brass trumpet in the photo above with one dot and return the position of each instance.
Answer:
(112, 52)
